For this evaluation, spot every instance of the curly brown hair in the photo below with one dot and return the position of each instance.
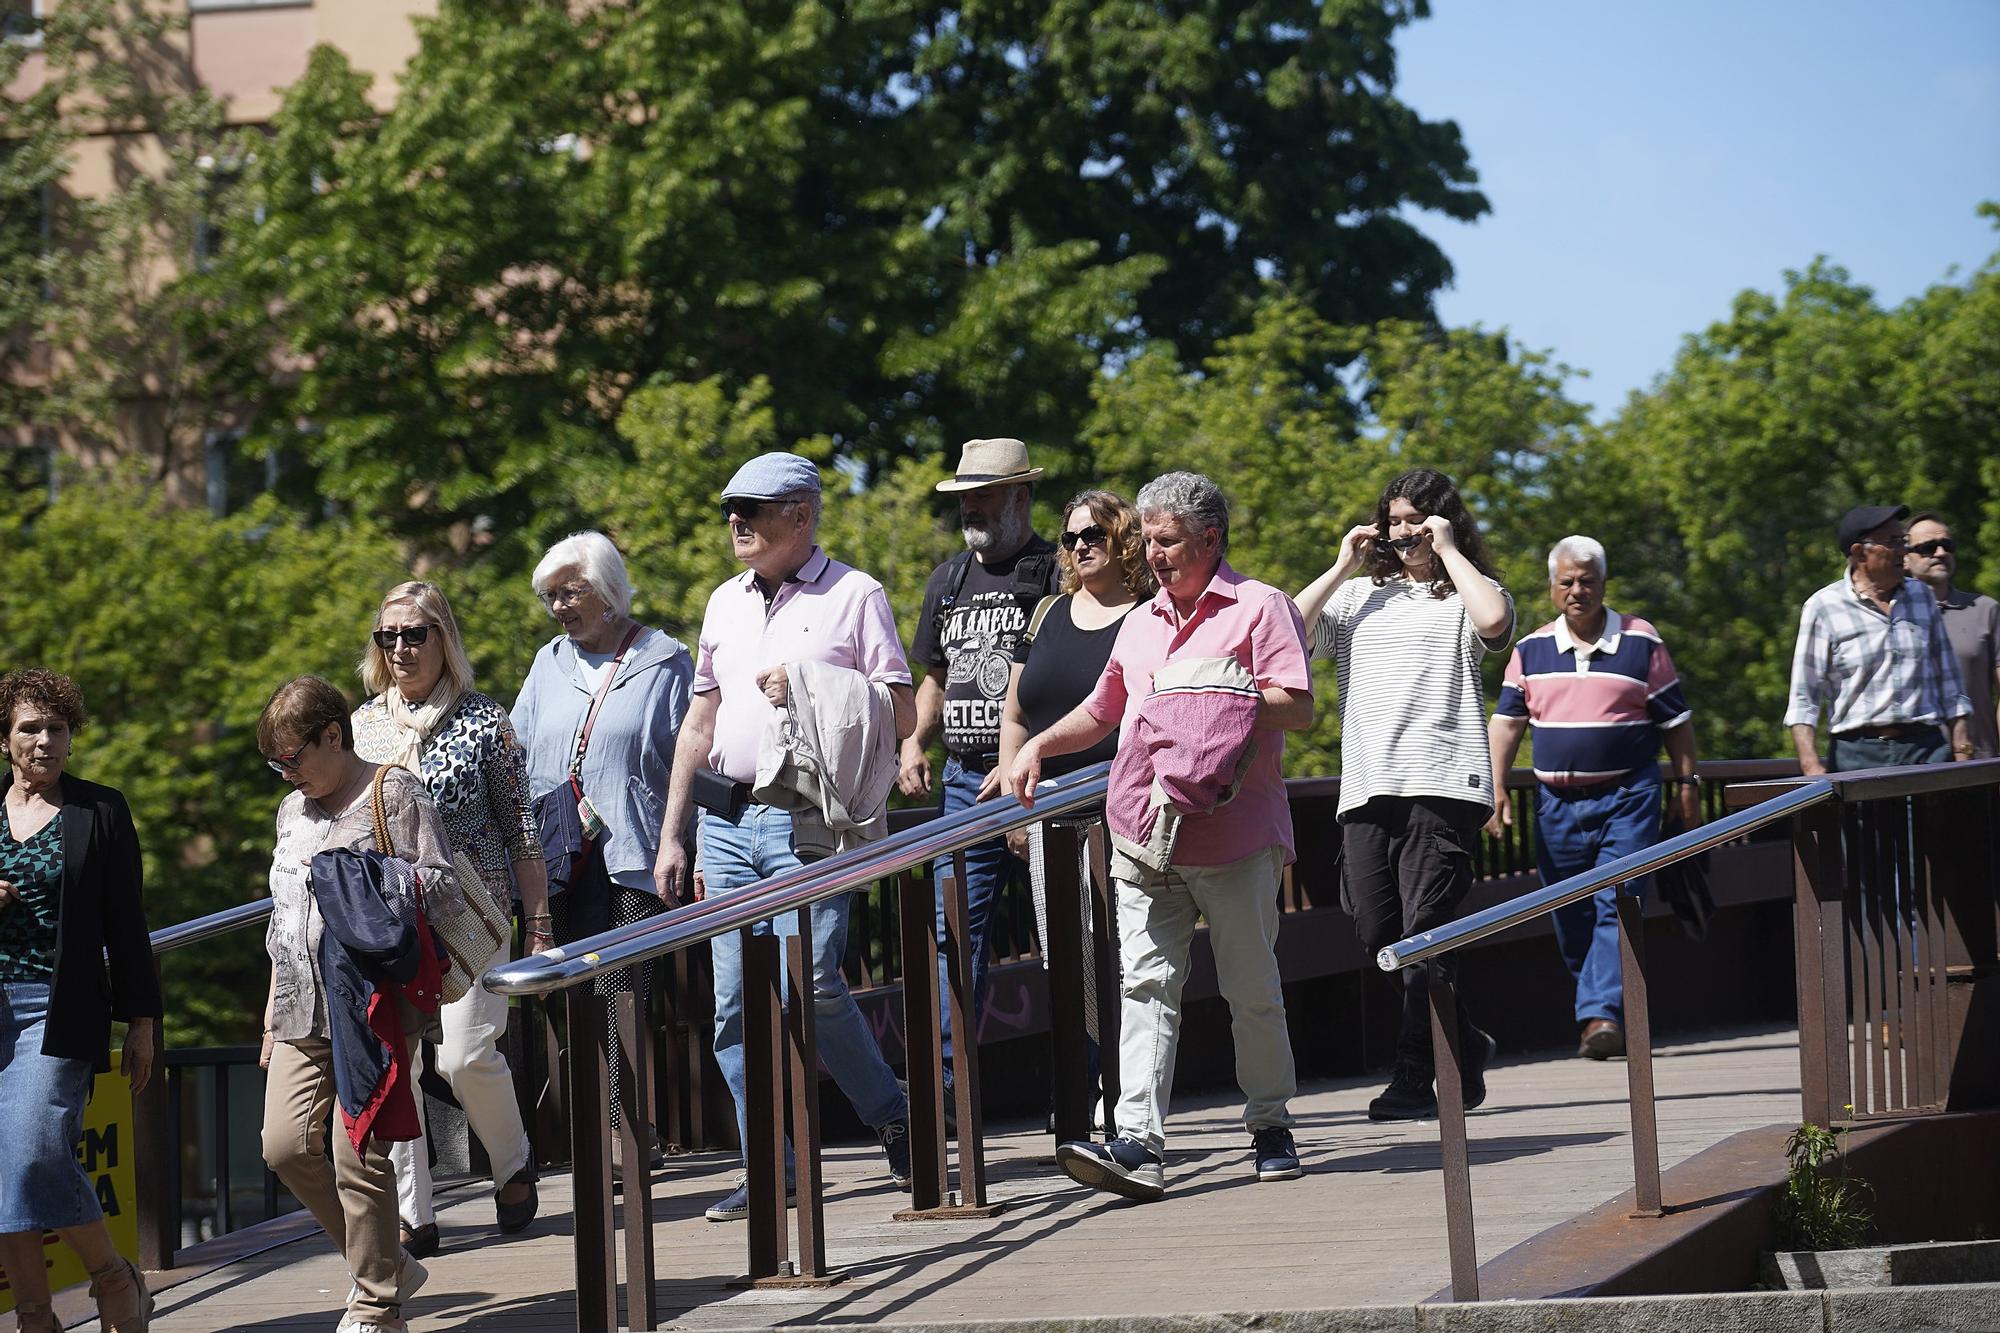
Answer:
(47, 689)
(1120, 521)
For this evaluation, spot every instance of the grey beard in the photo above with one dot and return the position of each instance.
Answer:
(1005, 535)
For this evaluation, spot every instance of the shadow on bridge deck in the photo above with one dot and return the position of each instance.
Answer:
(1365, 1226)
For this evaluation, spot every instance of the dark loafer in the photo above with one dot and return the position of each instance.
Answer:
(420, 1242)
(515, 1217)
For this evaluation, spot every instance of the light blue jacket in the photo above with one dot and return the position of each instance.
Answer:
(631, 747)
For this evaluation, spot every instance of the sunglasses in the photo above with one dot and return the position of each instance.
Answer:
(414, 635)
(1094, 535)
(289, 763)
(1945, 544)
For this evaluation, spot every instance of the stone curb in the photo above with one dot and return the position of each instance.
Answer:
(1963, 1308)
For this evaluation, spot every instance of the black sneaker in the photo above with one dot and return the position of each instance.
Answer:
(1122, 1166)
(1277, 1156)
(1409, 1096)
(1477, 1053)
(895, 1140)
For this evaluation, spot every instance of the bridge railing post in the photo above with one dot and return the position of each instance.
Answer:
(1451, 1134)
(1639, 1055)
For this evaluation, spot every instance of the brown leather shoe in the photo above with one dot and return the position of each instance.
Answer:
(1602, 1039)
(420, 1242)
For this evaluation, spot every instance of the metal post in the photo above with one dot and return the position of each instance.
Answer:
(636, 1072)
(923, 1044)
(1456, 1166)
(965, 1045)
(590, 1161)
(154, 1155)
(224, 1186)
(764, 1094)
(1639, 1056)
(802, 1050)
(1808, 828)
(1104, 940)
(1063, 951)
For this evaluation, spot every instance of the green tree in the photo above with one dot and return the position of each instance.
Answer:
(910, 222)
(1718, 490)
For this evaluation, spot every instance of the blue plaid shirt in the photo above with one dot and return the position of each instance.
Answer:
(1873, 670)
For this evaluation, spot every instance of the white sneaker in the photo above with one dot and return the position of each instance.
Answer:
(372, 1326)
(408, 1283)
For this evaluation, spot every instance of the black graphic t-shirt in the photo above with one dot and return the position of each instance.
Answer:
(972, 639)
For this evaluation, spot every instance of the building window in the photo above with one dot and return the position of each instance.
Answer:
(21, 21)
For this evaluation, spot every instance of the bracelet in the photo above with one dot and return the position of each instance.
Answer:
(1684, 782)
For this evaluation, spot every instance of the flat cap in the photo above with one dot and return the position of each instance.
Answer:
(1861, 520)
(772, 476)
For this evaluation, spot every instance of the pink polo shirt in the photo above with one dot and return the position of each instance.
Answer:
(1259, 627)
(827, 612)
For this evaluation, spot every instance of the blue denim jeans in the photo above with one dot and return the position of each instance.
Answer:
(1578, 831)
(41, 1104)
(737, 855)
(989, 867)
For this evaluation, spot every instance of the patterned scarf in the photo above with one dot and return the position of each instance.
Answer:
(415, 723)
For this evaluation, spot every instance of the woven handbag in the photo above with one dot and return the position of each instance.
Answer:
(469, 938)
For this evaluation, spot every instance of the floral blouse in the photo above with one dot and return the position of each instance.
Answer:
(478, 779)
(298, 1009)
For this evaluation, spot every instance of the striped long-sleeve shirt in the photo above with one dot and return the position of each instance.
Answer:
(1597, 708)
(1868, 669)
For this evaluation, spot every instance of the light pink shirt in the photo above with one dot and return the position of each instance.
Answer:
(1259, 627)
(827, 612)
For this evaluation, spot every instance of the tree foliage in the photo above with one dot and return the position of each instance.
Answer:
(908, 222)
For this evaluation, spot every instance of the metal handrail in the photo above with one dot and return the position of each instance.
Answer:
(568, 965)
(208, 927)
(1414, 949)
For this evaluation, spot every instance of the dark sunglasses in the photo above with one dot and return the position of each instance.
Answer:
(289, 763)
(1945, 544)
(1090, 536)
(747, 510)
(414, 635)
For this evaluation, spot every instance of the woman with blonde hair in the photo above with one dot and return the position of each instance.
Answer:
(1103, 576)
(425, 716)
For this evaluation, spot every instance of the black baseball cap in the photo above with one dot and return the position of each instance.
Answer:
(1861, 520)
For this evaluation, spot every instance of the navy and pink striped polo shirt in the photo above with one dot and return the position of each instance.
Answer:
(1597, 708)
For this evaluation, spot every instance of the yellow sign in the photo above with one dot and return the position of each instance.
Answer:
(105, 1153)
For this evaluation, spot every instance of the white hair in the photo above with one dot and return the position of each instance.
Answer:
(1583, 550)
(593, 555)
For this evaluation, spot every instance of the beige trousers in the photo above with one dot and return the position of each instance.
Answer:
(354, 1196)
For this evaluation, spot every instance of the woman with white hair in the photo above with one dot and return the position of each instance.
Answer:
(424, 715)
(599, 714)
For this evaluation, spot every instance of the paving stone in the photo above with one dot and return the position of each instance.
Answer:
(1958, 1308)
(1750, 1312)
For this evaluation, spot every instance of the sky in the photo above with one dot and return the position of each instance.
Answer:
(1647, 161)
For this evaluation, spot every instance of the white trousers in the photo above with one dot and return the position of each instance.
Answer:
(1156, 920)
(470, 1060)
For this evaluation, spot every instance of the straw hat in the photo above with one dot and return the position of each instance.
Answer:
(985, 463)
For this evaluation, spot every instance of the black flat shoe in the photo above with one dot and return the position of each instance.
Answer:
(515, 1217)
(420, 1242)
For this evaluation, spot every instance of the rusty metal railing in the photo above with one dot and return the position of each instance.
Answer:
(780, 1044)
(1885, 905)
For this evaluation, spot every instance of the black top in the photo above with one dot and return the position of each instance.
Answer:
(1059, 669)
(101, 909)
(973, 616)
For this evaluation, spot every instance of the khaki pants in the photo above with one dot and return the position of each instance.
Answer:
(1156, 920)
(353, 1197)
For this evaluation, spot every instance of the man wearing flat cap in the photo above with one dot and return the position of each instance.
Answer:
(792, 603)
(976, 607)
(1873, 652)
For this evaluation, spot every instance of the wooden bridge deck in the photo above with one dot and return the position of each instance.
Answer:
(1365, 1226)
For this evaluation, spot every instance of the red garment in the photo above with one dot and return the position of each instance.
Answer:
(1182, 755)
(391, 1113)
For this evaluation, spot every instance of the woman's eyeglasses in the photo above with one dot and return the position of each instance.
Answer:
(1944, 544)
(414, 635)
(571, 593)
(1094, 535)
(289, 763)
